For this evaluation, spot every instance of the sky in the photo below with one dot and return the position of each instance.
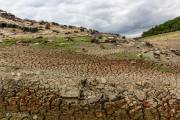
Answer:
(126, 17)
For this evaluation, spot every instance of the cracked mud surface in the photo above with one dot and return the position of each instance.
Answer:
(59, 85)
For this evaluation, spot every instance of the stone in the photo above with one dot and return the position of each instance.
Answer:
(140, 94)
(94, 82)
(37, 43)
(73, 92)
(178, 95)
(18, 74)
(99, 114)
(148, 44)
(109, 110)
(35, 117)
(157, 54)
(147, 104)
(176, 52)
(13, 74)
(103, 80)
(94, 98)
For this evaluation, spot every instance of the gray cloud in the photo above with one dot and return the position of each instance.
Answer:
(130, 17)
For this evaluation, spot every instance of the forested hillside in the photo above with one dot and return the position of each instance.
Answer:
(169, 26)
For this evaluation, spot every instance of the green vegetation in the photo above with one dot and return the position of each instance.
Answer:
(129, 56)
(161, 67)
(140, 57)
(53, 42)
(169, 26)
(9, 67)
(8, 42)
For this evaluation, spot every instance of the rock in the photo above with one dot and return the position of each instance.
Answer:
(99, 114)
(149, 103)
(178, 95)
(148, 44)
(36, 43)
(84, 50)
(47, 26)
(35, 117)
(93, 98)
(109, 110)
(157, 54)
(176, 52)
(133, 62)
(1, 87)
(84, 82)
(156, 49)
(94, 82)
(103, 80)
(50, 40)
(1, 41)
(140, 94)
(71, 92)
(38, 72)
(94, 40)
(13, 74)
(164, 52)
(145, 51)
(18, 74)
(2, 61)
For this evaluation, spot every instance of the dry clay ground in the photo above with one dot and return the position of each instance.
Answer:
(87, 82)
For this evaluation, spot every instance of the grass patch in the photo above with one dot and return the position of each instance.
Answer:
(8, 42)
(164, 36)
(52, 42)
(82, 39)
(129, 56)
(10, 67)
(161, 67)
(140, 57)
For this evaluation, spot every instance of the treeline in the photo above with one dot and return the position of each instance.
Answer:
(169, 26)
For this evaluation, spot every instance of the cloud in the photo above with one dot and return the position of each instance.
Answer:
(129, 17)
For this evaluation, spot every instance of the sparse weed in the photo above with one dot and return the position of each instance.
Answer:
(8, 42)
(53, 42)
(161, 67)
(10, 67)
(129, 56)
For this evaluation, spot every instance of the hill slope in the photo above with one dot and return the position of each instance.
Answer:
(169, 40)
(12, 26)
(169, 26)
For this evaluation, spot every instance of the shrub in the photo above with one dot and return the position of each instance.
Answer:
(47, 26)
(123, 37)
(54, 23)
(94, 40)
